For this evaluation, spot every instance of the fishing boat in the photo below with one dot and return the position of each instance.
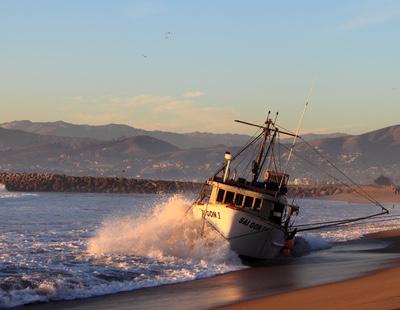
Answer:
(249, 207)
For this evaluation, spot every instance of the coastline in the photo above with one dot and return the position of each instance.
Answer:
(376, 290)
(352, 262)
(357, 264)
(383, 194)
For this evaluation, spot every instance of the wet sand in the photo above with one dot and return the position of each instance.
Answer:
(341, 262)
(378, 290)
(383, 194)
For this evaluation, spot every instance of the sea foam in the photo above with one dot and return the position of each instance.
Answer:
(167, 230)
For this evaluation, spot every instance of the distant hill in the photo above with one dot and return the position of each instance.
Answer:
(363, 157)
(116, 131)
(11, 139)
(313, 136)
(380, 146)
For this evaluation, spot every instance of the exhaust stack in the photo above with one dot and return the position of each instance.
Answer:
(228, 158)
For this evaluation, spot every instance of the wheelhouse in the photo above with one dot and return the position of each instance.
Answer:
(260, 198)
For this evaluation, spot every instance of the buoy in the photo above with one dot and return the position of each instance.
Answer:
(289, 245)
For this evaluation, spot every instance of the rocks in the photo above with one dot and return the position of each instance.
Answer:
(317, 191)
(45, 182)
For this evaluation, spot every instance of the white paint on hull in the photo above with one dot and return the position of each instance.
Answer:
(248, 234)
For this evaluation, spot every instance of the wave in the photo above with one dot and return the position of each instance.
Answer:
(168, 230)
(5, 194)
(162, 246)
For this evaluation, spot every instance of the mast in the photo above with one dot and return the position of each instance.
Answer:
(257, 163)
(266, 132)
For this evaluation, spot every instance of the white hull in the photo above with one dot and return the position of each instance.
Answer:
(247, 234)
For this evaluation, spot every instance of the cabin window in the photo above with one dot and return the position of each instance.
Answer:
(248, 202)
(277, 212)
(239, 199)
(229, 197)
(220, 196)
(257, 204)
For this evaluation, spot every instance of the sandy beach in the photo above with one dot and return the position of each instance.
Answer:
(383, 194)
(371, 260)
(378, 290)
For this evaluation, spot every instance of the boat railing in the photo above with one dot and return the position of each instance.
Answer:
(269, 186)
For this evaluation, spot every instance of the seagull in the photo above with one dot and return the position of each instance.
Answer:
(168, 35)
(144, 56)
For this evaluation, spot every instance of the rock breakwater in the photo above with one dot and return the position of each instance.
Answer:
(45, 182)
(318, 191)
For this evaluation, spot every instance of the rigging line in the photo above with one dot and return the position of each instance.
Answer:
(279, 153)
(371, 199)
(249, 160)
(244, 157)
(383, 218)
(297, 132)
(375, 221)
(270, 148)
(240, 152)
(274, 158)
(298, 129)
(347, 177)
(251, 141)
(341, 223)
(332, 176)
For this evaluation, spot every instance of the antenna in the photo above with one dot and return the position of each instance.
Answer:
(276, 116)
(299, 125)
(297, 132)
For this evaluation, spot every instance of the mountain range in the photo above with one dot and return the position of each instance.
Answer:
(117, 131)
(121, 150)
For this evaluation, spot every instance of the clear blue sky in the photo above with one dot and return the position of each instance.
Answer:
(99, 62)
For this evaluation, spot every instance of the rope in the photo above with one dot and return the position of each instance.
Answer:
(386, 218)
(339, 223)
(372, 199)
(240, 152)
(366, 195)
(336, 179)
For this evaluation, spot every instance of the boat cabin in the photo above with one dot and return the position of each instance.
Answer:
(260, 198)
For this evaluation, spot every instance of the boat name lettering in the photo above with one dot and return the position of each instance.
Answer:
(210, 214)
(252, 225)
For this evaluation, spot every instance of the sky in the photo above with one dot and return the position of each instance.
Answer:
(188, 66)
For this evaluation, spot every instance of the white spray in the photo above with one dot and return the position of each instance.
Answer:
(165, 231)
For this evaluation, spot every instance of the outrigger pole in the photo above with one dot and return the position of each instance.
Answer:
(297, 131)
(271, 129)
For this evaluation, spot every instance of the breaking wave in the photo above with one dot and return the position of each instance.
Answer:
(4, 194)
(145, 249)
(168, 230)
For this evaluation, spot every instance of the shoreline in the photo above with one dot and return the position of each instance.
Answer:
(361, 292)
(352, 261)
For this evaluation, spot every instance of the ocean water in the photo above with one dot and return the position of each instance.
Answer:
(56, 246)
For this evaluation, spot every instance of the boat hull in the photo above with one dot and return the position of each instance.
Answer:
(247, 234)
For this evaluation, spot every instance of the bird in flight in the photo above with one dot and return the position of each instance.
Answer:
(144, 56)
(168, 35)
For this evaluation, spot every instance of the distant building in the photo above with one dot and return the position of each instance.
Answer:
(300, 181)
